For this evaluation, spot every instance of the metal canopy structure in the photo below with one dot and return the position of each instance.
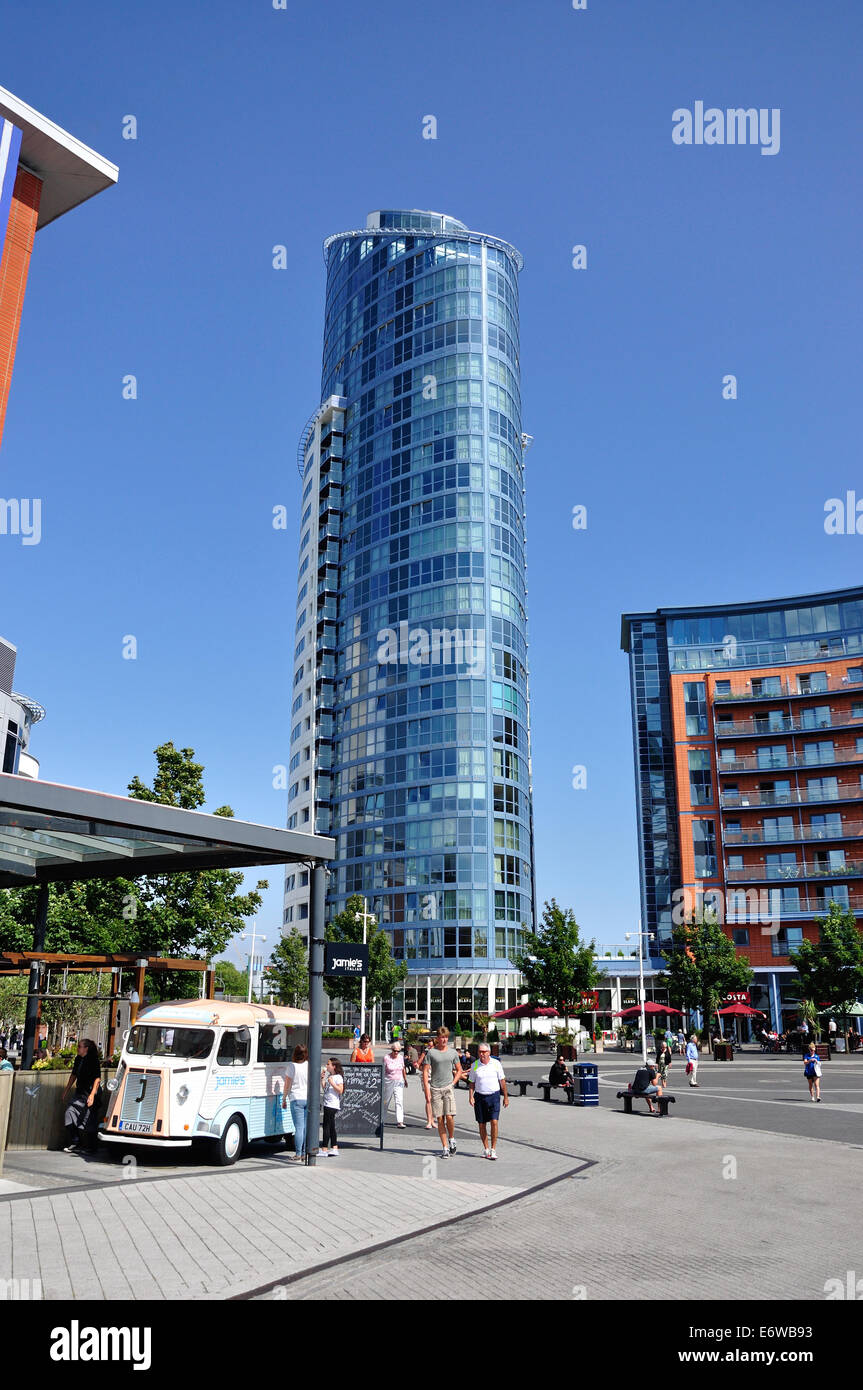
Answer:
(55, 834)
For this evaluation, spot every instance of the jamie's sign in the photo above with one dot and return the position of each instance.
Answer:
(737, 996)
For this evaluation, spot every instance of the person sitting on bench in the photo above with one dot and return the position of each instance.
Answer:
(559, 1074)
(647, 1085)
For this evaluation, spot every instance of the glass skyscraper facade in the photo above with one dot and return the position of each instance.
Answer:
(410, 735)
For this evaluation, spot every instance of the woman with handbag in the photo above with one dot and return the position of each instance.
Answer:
(692, 1060)
(812, 1072)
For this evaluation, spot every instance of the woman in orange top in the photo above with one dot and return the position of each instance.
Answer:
(363, 1050)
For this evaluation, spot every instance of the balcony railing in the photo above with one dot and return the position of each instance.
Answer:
(796, 797)
(777, 873)
(751, 763)
(769, 907)
(757, 836)
(788, 724)
(784, 688)
(617, 950)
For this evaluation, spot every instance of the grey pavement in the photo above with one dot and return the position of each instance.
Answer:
(717, 1201)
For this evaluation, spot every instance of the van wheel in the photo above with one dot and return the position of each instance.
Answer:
(231, 1141)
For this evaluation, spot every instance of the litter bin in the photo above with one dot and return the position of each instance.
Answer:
(587, 1083)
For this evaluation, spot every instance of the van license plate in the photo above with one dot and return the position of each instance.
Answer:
(131, 1128)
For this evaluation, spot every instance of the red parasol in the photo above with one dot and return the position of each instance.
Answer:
(528, 1011)
(649, 1008)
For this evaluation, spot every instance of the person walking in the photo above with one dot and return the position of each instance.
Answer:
(692, 1060)
(487, 1084)
(86, 1079)
(441, 1073)
(333, 1086)
(395, 1081)
(812, 1072)
(663, 1061)
(681, 1041)
(296, 1094)
(363, 1051)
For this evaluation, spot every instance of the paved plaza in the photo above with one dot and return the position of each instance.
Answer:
(746, 1191)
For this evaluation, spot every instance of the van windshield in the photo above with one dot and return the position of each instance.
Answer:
(150, 1041)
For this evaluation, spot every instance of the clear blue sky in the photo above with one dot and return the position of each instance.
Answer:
(259, 127)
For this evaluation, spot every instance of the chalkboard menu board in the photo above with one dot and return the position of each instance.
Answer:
(362, 1110)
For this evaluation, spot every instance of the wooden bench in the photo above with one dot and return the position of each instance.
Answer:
(629, 1096)
(520, 1081)
(547, 1088)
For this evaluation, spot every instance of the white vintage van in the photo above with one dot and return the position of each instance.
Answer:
(204, 1072)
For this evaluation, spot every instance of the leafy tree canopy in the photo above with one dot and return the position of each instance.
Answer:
(183, 914)
(703, 966)
(385, 974)
(831, 970)
(288, 973)
(563, 964)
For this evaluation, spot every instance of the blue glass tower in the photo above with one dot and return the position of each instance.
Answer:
(410, 737)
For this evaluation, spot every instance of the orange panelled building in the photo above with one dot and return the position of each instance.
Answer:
(748, 731)
(44, 172)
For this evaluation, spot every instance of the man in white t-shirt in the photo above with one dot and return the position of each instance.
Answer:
(487, 1084)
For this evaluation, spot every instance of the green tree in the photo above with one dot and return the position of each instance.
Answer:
(182, 914)
(385, 974)
(831, 970)
(556, 964)
(231, 980)
(288, 973)
(703, 966)
(13, 1000)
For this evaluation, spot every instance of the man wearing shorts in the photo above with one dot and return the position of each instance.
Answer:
(441, 1073)
(487, 1085)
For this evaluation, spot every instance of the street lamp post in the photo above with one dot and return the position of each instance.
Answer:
(245, 937)
(629, 935)
(367, 917)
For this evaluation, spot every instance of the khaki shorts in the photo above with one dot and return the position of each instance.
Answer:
(443, 1101)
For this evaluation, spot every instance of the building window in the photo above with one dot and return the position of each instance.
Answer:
(704, 843)
(695, 708)
(741, 936)
(787, 939)
(700, 781)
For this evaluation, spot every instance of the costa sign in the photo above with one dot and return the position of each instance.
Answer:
(737, 996)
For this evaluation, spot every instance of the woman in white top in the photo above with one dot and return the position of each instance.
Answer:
(333, 1083)
(297, 1092)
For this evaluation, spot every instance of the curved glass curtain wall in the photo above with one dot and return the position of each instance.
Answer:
(430, 794)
